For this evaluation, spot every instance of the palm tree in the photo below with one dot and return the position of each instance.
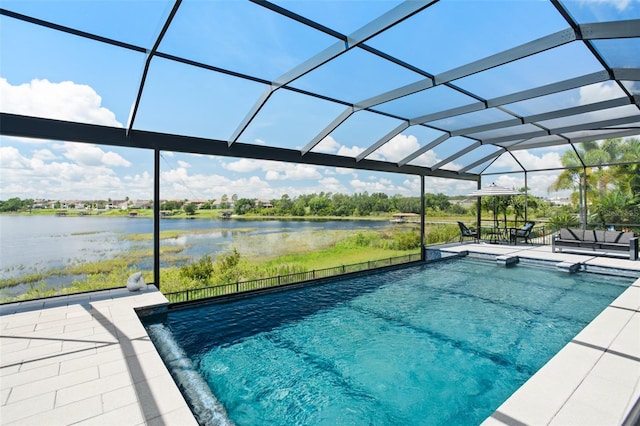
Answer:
(589, 171)
(586, 171)
(572, 177)
(627, 176)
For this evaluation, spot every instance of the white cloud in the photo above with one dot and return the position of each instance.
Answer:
(382, 185)
(397, 148)
(10, 158)
(342, 171)
(275, 170)
(272, 175)
(599, 92)
(243, 165)
(333, 185)
(350, 152)
(62, 101)
(546, 161)
(183, 164)
(91, 155)
(44, 155)
(618, 4)
(34, 177)
(327, 145)
(293, 172)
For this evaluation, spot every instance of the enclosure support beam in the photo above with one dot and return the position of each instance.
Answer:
(156, 217)
(479, 210)
(583, 198)
(526, 198)
(423, 251)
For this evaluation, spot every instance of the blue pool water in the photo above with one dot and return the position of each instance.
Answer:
(438, 344)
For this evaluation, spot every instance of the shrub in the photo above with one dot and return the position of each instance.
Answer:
(226, 262)
(200, 270)
(406, 240)
(563, 221)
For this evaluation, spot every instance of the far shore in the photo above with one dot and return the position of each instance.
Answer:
(199, 214)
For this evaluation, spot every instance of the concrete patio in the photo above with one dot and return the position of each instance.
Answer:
(87, 359)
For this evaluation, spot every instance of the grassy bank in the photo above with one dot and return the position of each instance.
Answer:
(251, 257)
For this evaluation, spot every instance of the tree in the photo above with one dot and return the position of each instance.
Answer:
(320, 205)
(11, 205)
(224, 202)
(617, 207)
(190, 209)
(284, 205)
(592, 179)
(244, 205)
(171, 205)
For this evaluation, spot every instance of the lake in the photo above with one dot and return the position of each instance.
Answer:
(30, 244)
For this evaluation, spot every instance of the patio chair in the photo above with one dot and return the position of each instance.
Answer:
(523, 232)
(466, 232)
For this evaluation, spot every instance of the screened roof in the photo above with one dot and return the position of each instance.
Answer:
(444, 88)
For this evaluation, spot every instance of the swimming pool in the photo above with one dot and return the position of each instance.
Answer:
(444, 343)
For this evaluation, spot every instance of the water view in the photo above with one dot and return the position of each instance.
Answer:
(37, 244)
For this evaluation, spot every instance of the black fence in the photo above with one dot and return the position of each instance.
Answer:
(280, 280)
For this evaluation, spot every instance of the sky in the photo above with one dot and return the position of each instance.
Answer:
(49, 74)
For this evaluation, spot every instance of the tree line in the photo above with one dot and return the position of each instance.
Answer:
(342, 205)
(15, 205)
(327, 204)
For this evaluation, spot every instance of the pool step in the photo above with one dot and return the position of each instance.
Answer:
(507, 260)
(568, 267)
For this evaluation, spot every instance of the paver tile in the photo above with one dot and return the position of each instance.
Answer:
(32, 354)
(94, 387)
(4, 396)
(44, 337)
(97, 358)
(628, 340)
(31, 389)
(116, 366)
(127, 415)
(604, 394)
(118, 398)
(29, 376)
(68, 414)
(577, 413)
(55, 358)
(629, 299)
(620, 369)
(605, 327)
(182, 417)
(28, 407)
(159, 395)
(12, 345)
(149, 365)
(9, 369)
(17, 329)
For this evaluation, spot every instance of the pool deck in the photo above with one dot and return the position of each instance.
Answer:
(87, 359)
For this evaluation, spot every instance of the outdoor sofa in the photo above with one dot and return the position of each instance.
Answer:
(596, 241)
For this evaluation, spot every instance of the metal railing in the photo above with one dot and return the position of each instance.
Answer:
(281, 280)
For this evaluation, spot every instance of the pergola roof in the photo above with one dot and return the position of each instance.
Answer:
(471, 82)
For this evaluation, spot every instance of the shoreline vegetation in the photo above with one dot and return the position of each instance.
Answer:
(249, 257)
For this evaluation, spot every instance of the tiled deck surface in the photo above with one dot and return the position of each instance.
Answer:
(86, 359)
(594, 379)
